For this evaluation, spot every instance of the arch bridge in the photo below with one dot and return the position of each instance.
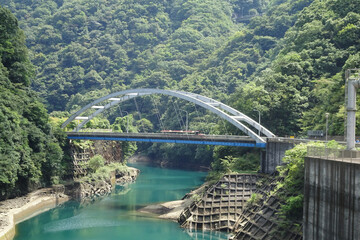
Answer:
(270, 158)
(224, 111)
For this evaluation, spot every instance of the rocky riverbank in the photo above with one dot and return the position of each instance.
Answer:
(89, 188)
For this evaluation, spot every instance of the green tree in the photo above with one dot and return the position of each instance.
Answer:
(30, 154)
(95, 163)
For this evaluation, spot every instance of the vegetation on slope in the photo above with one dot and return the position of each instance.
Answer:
(305, 78)
(233, 160)
(81, 46)
(30, 155)
(290, 186)
(98, 171)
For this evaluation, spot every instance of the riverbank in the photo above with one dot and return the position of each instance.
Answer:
(13, 211)
(94, 186)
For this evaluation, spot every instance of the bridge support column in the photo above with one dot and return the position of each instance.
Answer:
(272, 157)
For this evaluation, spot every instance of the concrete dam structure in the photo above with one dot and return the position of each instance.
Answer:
(332, 196)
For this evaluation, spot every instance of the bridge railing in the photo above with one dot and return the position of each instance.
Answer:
(334, 154)
(90, 130)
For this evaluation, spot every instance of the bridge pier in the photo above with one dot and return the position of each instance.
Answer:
(275, 151)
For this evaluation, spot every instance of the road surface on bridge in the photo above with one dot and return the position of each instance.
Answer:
(225, 140)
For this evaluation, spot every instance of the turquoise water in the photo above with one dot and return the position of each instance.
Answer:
(115, 216)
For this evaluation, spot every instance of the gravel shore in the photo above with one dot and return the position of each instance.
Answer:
(15, 210)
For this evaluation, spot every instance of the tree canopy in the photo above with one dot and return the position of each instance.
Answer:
(30, 154)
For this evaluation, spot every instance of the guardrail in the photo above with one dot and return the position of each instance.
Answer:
(342, 155)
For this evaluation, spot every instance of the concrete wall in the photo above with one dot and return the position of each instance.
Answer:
(275, 151)
(332, 200)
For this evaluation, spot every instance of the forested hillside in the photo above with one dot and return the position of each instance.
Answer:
(305, 74)
(284, 58)
(30, 155)
(80, 46)
(85, 49)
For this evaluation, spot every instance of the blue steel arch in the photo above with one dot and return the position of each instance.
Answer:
(222, 110)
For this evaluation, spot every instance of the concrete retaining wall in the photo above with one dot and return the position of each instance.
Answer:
(332, 200)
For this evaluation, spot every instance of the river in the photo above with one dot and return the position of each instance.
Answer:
(114, 217)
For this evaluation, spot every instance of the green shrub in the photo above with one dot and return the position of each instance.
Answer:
(254, 199)
(293, 208)
(196, 197)
(118, 167)
(101, 172)
(95, 163)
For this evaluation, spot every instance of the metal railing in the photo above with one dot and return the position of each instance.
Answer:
(336, 154)
(95, 130)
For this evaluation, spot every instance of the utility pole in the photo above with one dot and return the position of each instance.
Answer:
(127, 118)
(327, 121)
(255, 110)
(353, 83)
(187, 120)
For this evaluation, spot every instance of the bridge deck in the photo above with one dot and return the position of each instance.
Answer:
(225, 140)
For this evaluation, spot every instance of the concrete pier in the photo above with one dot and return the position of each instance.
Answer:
(332, 199)
(275, 151)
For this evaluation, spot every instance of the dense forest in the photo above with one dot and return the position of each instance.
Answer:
(284, 58)
(31, 152)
